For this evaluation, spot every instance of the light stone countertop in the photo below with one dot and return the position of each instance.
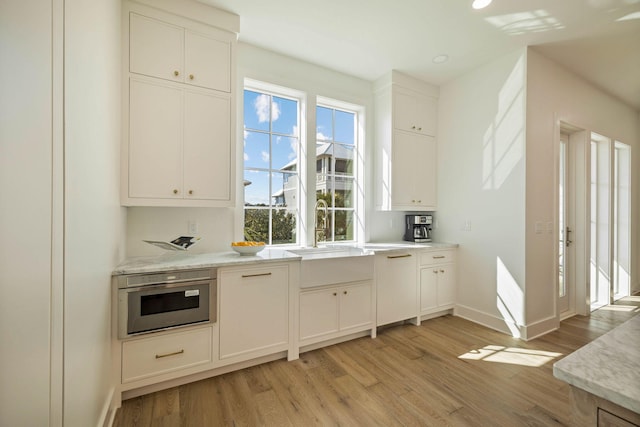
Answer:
(180, 260)
(608, 367)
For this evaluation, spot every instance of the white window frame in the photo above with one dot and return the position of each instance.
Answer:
(358, 166)
(300, 97)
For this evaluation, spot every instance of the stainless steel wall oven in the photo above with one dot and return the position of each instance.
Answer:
(157, 301)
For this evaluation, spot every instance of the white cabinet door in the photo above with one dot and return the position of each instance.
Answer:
(318, 313)
(413, 183)
(254, 311)
(396, 284)
(355, 306)
(155, 48)
(155, 140)
(437, 288)
(446, 285)
(414, 112)
(428, 288)
(207, 130)
(207, 62)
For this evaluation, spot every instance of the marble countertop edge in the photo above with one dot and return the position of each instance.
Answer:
(607, 367)
(171, 261)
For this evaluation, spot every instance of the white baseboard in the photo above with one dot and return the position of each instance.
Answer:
(526, 332)
(482, 318)
(108, 413)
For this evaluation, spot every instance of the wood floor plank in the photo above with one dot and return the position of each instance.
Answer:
(446, 372)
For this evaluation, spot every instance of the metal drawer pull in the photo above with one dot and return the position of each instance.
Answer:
(398, 256)
(175, 353)
(244, 276)
(439, 257)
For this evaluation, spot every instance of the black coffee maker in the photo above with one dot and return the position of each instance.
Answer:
(418, 228)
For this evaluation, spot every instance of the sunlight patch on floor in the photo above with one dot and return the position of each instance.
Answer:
(618, 307)
(511, 355)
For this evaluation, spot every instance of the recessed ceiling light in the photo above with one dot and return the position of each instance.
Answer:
(480, 4)
(440, 59)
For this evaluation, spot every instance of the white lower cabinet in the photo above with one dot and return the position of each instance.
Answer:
(254, 311)
(162, 354)
(437, 281)
(334, 311)
(396, 287)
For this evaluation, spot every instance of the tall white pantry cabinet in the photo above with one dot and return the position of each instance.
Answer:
(178, 104)
(406, 124)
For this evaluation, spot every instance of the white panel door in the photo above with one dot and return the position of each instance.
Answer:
(155, 48)
(414, 112)
(254, 311)
(207, 145)
(155, 140)
(318, 313)
(207, 62)
(446, 285)
(355, 306)
(397, 292)
(428, 288)
(414, 176)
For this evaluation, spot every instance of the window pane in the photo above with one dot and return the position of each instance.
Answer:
(324, 124)
(284, 189)
(284, 116)
(344, 192)
(324, 185)
(256, 188)
(344, 225)
(289, 191)
(256, 225)
(344, 159)
(283, 227)
(256, 150)
(324, 153)
(284, 152)
(345, 127)
(256, 110)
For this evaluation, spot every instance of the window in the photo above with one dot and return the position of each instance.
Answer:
(336, 183)
(279, 180)
(271, 172)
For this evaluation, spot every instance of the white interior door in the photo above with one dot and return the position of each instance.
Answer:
(573, 217)
(563, 228)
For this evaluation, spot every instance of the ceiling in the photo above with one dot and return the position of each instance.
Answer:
(597, 39)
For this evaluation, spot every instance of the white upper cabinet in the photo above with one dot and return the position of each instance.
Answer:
(159, 49)
(414, 112)
(179, 138)
(406, 124)
(207, 62)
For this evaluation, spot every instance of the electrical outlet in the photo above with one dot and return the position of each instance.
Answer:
(538, 227)
(192, 227)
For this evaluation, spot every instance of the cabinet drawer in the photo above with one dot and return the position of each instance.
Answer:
(437, 257)
(156, 355)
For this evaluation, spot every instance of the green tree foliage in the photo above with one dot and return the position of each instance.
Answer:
(256, 226)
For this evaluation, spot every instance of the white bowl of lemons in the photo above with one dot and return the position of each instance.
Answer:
(247, 248)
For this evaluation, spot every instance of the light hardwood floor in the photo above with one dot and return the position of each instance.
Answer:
(446, 372)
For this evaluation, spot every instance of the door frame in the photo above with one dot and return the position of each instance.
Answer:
(578, 157)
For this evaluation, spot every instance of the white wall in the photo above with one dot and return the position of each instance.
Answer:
(60, 208)
(218, 227)
(94, 220)
(497, 170)
(26, 182)
(481, 183)
(553, 93)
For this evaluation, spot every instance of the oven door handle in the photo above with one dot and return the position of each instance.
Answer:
(156, 286)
